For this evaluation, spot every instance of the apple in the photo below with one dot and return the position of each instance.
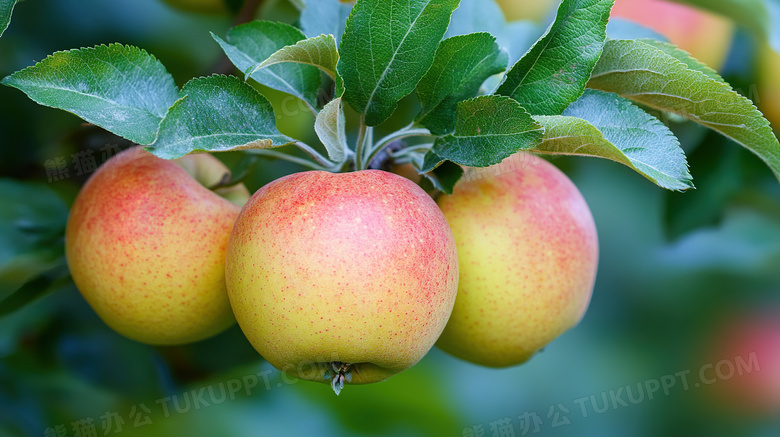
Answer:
(145, 243)
(342, 277)
(769, 85)
(528, 253)
(704, 35)
(743, 370)
(200, 6)
(536, 10)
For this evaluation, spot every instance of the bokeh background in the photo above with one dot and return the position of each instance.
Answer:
(681, 276)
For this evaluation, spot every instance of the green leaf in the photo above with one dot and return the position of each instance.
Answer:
(217, 114)
(32, 211)
(32, 226)
(554, 72)
(445, 176)
(300, 4)
(482, 137)
(684, 57)
(26, 266)
(387, 47)
(461, 65)
(250, 44)
(330, 126)
(51, 280)
(758, 16)
(325, 17)
(643, 73)
(120, 88)
(319, 51)
(6, 9)
(604, 125)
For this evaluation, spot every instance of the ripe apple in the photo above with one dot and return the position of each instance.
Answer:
(536, 10)
(704, 35)
(528, 253)
(200, 6)
(743, 373)
(769, 85)
(145, 243)
(342, 277)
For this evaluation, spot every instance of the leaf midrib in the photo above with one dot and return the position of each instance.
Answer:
(395, 53)
(97, 97)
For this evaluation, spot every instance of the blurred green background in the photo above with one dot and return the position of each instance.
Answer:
(674, 270)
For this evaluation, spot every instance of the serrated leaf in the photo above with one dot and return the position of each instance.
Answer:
(605, 125)
(250, 44)
(487, 130)
(554, 72)
(461, 65)
(645, 74)
(217, 114)
(122, 89)
(684, 57)
(6, 9)
(330, 126)
(758, 16)
(320, 52)
(387, 47)
(325, 17)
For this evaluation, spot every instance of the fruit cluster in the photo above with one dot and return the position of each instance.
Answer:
(335, 276)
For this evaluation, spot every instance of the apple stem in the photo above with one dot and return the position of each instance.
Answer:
(287, 157)
(316, 155)
(394, 138)
(360, 143)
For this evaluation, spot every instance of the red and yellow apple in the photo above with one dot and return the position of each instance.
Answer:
(536, 10)
(528, 253)
(743, 370)
(145, 244)
(704, 35)
(338, 277)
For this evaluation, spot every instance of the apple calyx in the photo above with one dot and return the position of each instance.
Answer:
(341, 372)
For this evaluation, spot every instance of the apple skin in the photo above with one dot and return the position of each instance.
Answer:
(357, 268)
(145, 244)
(704, 35)
(750, 339)
(536, 10)
(528, 254)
